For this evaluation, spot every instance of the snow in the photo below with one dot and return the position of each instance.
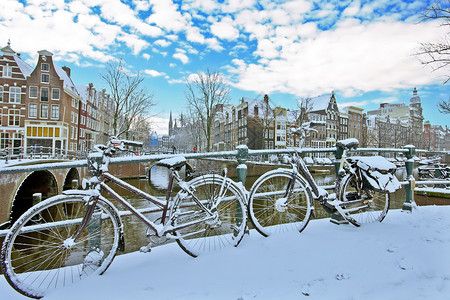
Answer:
(404, 257)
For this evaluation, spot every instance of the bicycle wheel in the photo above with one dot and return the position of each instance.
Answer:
(371, 207)
(38, 253)
(225, 229)
(269, 209)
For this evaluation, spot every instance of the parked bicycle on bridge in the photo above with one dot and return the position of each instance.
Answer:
(67, 237)
(283, 199)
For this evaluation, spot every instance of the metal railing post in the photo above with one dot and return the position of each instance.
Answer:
(336, 218)
(241, 169)
(409, 188)
(37, 197)
(338, 156)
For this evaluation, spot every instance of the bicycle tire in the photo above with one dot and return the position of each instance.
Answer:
(229, 227)
(38, 253)
(376, 204)
(265, 212)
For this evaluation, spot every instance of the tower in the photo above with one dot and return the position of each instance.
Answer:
(170, 124)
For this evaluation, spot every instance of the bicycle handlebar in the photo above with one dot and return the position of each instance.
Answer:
(117, 142)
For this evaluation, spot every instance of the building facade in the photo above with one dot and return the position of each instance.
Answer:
(13, 99)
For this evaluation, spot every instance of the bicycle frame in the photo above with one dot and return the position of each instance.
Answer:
(162, 229)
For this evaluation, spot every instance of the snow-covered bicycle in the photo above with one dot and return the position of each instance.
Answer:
(283, 199)
(67, 237)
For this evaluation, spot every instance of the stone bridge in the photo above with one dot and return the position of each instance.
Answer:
(17, 189)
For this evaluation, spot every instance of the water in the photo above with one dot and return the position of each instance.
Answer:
(135, 230)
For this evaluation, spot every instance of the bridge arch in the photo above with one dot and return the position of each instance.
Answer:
(72, 175)
(43, 182)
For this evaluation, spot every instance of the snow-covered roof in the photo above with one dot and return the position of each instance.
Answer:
(292, 115)
(261, 104)
(320, 102)
(25, 68)
(68, 83)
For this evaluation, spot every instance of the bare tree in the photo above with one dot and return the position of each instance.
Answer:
(129, 97)
(204, 92)
(437, 54)
(304, 106)
(141, 128)
(444, 106)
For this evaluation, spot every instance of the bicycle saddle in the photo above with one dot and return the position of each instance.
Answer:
(175, 163)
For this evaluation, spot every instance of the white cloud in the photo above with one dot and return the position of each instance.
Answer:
(351, 58)
(159, 124)
(180, 55)
(225, 29)
(166, 15)
(161, 43)
(353, 9)
(385, 100)
(154, 73)
(358, 104)
(232, 6)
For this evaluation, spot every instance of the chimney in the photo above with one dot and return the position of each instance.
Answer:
(67, 69)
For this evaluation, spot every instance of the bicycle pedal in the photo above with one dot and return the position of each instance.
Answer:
(145, 249)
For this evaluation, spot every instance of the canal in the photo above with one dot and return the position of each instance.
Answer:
(135, 230)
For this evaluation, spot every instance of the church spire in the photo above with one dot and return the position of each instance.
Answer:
(170, 124)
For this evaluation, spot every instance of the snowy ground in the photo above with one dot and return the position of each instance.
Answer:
(405, 257)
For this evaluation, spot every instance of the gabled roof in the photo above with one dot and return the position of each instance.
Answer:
(83, 91)
(261, 104)
(25, 68)
(320, 102)
(68, 83)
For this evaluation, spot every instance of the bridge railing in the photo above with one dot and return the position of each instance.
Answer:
(242, 154)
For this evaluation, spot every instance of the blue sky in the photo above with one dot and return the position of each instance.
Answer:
(290, 49)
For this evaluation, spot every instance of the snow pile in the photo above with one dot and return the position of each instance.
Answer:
(405, 257)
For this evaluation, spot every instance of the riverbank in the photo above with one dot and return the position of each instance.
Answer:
(405, 257)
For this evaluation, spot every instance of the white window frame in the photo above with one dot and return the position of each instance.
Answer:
(59, 94)
(44, 111)
(33, 110)
(1, 93)
(7, 71)
(48, 94)
(16, 117)
(15, 94)
(46, 76)
(30, 94)
(55, 112)
(45, 69)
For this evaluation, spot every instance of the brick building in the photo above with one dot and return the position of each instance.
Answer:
(13, 91)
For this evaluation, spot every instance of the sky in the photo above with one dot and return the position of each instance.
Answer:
(364, 51)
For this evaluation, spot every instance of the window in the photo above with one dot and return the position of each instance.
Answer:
(55, 112)
(7, 71)
(14, 94)
(4, 139)
(32, 110)
(1, 93)
(55, 94)
(44, 94)
(14, 117)
(44, 111)
(33, 91)
(45, 67)
(45, 78)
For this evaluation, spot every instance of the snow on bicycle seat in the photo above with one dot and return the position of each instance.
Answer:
(348, 143)
(176, 162)
(375, 163)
